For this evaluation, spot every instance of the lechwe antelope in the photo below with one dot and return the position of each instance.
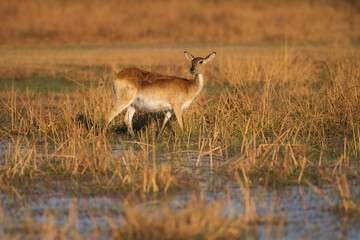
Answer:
(152, 92)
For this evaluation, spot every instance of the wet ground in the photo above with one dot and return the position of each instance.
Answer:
(296, 212)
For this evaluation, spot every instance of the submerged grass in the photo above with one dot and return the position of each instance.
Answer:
(196, 220)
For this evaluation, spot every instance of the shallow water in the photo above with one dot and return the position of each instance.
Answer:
(314, 222)
(305, 214)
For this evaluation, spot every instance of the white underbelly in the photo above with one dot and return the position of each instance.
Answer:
(186, 105)
(150, 105)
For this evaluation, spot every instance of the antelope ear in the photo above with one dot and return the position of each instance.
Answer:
(210, 57)
(189, 56)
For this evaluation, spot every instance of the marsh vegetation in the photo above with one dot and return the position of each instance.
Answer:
(270, 149)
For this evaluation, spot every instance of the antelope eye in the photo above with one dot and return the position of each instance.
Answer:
(201, 62)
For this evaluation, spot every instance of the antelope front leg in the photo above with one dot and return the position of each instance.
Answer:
(178, 114)
(128, 120)
(167, 117)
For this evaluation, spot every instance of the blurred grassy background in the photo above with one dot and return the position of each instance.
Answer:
(58, 22)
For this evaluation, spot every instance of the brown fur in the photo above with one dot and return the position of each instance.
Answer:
(144, 78)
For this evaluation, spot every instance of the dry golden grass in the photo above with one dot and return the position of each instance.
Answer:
(273, 114)
(97, 22)
(281, 109)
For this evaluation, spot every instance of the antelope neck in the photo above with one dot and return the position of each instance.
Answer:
(200, 80)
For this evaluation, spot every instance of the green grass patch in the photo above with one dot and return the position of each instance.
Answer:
(40, 84)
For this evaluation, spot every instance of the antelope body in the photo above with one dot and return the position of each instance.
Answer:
(153, 92)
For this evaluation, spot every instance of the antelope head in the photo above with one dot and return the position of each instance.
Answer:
(198, 63)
